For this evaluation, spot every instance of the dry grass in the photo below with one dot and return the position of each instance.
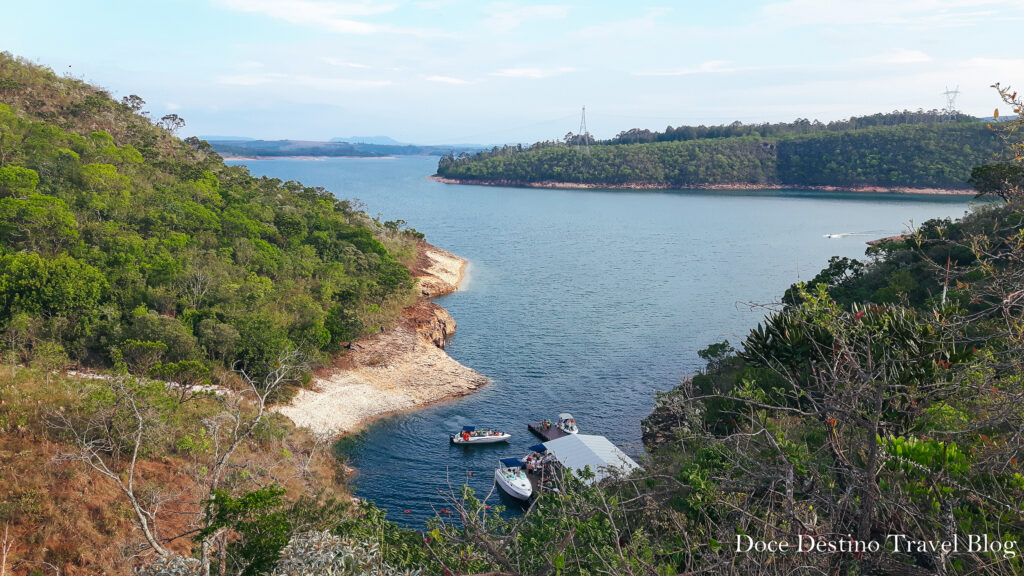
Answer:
(62, 517)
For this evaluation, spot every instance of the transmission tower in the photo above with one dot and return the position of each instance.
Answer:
(951, 101)
(583, 135)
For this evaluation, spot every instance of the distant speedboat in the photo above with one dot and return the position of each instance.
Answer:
(567, 424)
(470, 435)
(845, 234)
(511, 478)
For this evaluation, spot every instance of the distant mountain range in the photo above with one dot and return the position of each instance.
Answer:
(226, 138)
(382, 140)
(230, 148)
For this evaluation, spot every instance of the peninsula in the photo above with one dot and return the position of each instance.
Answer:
(401, 368)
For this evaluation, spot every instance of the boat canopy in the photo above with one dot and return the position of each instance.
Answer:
(513, 462)
(469, 428)
(565, 416)
(578, 451)
(538, 448)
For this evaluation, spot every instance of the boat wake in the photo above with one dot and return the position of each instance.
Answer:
(845, 234)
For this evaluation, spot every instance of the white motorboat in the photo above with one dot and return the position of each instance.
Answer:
(511, 478)
(567, 424)
(470, 435)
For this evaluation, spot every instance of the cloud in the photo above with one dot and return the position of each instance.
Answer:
(344, 64)
(447, 80)
(900, 56)
(532, 73)
(506, 17)
(923, 13)
(434, 4)
(336, 16)
(709, 67)
(301, 81)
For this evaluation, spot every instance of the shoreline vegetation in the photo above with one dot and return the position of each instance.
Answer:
(402, 368)
(723, 187)
(899, 151)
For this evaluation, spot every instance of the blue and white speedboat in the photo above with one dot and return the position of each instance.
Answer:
(470, 435)
(511, 477)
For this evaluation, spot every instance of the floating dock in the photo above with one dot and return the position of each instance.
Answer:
(549, 432)
(537, 482)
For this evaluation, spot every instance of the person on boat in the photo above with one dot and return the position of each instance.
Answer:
(465, 436)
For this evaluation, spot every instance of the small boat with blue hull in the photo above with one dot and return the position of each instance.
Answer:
(470, 435)
(511, 477)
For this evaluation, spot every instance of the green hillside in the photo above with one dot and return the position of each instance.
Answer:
(917, 155)
(115, 234)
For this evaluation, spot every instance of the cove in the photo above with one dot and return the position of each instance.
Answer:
(584, 301)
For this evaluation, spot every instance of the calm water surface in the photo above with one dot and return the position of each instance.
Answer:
(584, 301)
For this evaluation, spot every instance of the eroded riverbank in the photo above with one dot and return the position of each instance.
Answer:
(400, 369)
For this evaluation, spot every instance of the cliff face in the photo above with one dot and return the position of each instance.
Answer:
(670, 420)
(433, 323)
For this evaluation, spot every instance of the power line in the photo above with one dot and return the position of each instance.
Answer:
(583, 134)
(951, 101)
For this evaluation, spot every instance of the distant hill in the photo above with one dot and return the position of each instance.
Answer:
(888, 151)
(225, 138)
(279, 148)
(383, 140)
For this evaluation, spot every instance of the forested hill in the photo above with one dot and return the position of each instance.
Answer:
(117, 237)
(919, 152)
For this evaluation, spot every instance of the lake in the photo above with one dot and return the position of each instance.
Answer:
(584, 301)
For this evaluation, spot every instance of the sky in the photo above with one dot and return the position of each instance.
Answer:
(477, 71)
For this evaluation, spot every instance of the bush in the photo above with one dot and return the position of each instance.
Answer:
(152, 327)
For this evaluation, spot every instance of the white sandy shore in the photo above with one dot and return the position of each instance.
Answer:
(401, 369)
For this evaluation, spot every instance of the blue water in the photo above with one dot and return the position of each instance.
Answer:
(584, 301)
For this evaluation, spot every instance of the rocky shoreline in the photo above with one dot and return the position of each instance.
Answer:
(400, 369)
(732, 186)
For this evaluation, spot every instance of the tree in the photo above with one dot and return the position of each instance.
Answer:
(575, 526)
(195, 284)
(864, 422)
(187, 377)
(172, 123)
(139, 356)
(40, 223)
(129, 416)
(1002, 179)
(178, 339)
(17, 181)
(261, 527)
(134, 102)
(58, 286)
(110, 441)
